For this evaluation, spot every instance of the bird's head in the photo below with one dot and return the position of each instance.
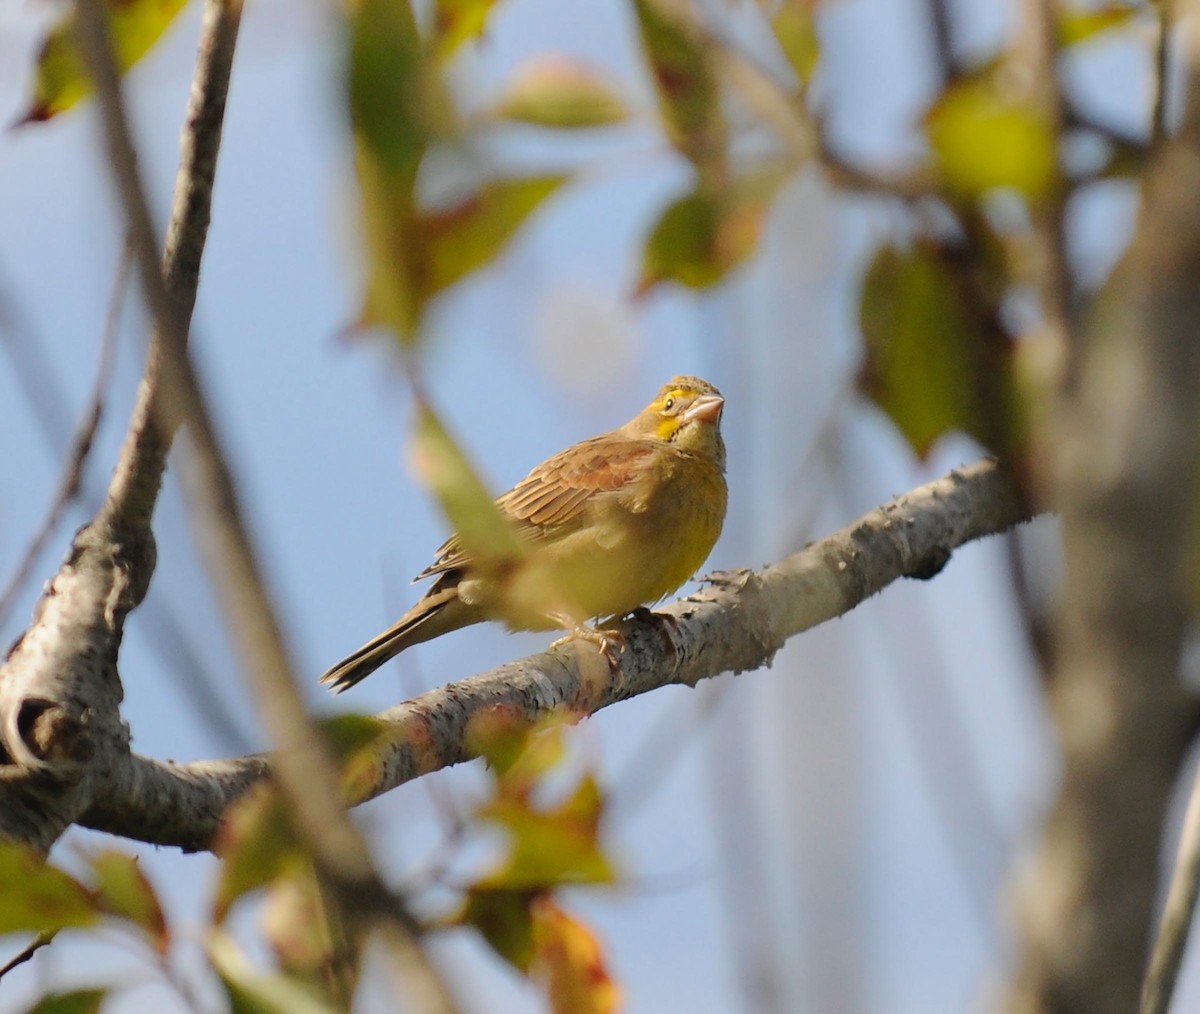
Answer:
(686, 413)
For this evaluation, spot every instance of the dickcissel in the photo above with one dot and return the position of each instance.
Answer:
(616, 522)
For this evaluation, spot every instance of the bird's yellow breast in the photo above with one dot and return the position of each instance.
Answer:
(633, 549)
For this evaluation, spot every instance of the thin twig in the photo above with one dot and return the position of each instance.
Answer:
(1162, 72)
(81, 444)
(35, 945)
(1036, 54)
(1173, 931)
(304, 768)
(943, 40)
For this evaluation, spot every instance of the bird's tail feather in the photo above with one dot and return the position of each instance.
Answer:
(436, 613)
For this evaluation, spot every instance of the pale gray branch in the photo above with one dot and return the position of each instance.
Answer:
(60, 692)
(735, 624)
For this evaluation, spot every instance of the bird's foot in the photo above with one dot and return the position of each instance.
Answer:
(610, 643)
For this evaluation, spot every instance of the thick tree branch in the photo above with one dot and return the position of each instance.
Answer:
(60, 727)
(736, 624)
(1120, 462)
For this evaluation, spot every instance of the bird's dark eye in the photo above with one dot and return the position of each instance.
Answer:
(668, 404)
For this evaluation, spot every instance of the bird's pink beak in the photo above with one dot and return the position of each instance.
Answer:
(706, 408)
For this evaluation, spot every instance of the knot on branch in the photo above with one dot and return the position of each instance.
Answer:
(43, 735)
(926, 567)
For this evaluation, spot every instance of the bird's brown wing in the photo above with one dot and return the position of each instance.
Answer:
(553, 498)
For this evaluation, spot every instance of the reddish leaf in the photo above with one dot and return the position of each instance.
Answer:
(570, 960)
(682, 64)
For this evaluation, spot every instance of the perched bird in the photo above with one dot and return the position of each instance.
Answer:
(615, 522)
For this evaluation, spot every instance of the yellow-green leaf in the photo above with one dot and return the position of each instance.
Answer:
(256, 844)
(295, 922)
(62, 79)
(39, 897)
(1081, 25)
(984, 140)
(555, 91)
(438, 462)
(796, 34)
(123, 890)
(393, 297)
(252, 991)
(466, 237)
(927, 366)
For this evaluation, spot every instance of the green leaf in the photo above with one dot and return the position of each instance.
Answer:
(486, 534)
(683, 246)
(796, 33)
(38, 897)
(503, 917)
(392, 102)
(685, 77)
(62, 79)
(123, 890)
(984, 140)
(926, 365)
(252, 991)
(702, 236)
(555, 91)
(257, 845)
(389, 85)
(77, 1001)
(1076, 26)
(469, 235)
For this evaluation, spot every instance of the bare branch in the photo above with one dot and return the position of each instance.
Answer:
(303, 767)
(735, 625)
(60, 692)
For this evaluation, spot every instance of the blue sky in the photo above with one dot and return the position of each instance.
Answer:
(834, 827)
